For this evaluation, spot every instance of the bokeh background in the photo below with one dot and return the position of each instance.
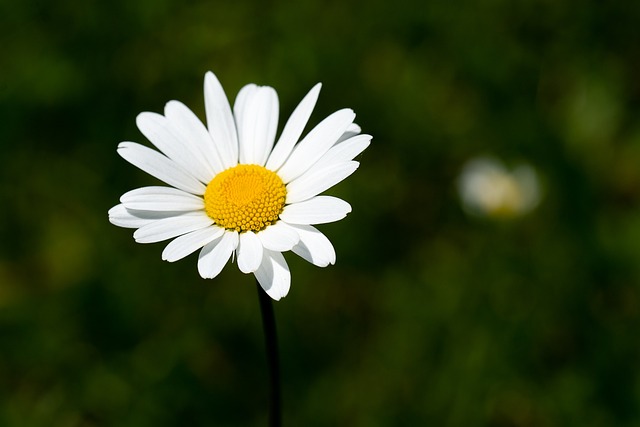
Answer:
(430, 317)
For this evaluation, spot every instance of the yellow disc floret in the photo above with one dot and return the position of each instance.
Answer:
(245, 197)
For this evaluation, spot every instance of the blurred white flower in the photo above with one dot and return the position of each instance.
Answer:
(488, 188)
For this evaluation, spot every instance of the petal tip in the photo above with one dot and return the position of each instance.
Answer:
(275, 297)
(210, 77)
(171, 104)
(123, 146)
(142, 117)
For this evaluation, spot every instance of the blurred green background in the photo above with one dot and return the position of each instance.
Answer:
(430, 317)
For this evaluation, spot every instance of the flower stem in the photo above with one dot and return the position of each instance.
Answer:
(271, 344)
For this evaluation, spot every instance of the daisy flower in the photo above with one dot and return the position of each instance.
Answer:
(233, 191)
(488, 188)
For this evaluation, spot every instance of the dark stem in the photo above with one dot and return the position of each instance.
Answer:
(271, 344)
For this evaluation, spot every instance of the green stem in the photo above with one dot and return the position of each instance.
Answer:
(271, 344)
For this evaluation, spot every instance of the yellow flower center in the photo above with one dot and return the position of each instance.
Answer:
(245, 197)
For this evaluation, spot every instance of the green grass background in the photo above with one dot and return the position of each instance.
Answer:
(429, 317)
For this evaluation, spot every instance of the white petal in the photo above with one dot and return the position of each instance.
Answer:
(195, 134)
(167, 139)
(161, 199)
(128, 218)
(215, 255)
(274, 275)
(344, 151)
(249, 252)
(293, 129)
(242, 99)
(351, 131)
(159, 166)
(317, 180)
(220, 121)
(169, 228)
(188, 243)
(279, 237)
(314, 246)
(257, 120)
(240, 108)
(317, 210)
(315, 144)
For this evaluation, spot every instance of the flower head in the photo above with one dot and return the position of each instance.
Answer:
(487, 188)
(232, 189)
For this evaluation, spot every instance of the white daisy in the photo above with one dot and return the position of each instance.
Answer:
(232, 190)
(488, 188)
